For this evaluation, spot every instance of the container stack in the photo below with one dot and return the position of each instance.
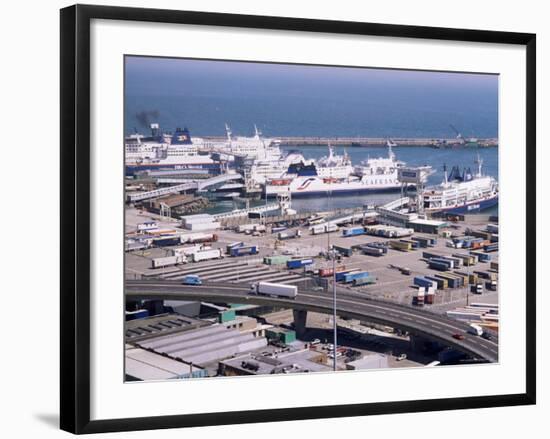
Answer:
(453, 280)
(467, 259)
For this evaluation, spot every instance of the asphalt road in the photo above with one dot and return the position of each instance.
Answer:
(349, 304)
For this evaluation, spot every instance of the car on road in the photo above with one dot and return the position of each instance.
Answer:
(486, 336)
(191, 279)
(401, 357)
(458, 336)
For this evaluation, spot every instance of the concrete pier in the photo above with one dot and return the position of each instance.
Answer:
(373, 141)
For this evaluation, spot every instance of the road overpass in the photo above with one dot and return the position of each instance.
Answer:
(350, 304)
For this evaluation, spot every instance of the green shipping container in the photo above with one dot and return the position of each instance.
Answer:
(276, 260)
(227, 316)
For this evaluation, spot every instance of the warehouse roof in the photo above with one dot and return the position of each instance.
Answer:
(304, 360)
(144, 365)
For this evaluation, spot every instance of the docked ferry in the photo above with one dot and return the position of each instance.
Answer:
(336, 175)
(177, 151)
(270, 170)
(462, 192)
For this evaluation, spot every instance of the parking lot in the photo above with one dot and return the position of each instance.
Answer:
(391, 284)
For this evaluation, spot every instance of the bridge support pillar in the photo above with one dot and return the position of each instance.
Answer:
(300, 319)
(423, 345)
(417, 343)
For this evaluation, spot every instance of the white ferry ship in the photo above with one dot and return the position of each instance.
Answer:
(241, 148)
(265, 170)
(335, 174)
(256, 147)
(462, 192)
(164, 151)
(181, 151)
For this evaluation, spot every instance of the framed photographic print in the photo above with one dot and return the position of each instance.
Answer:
(268, 218)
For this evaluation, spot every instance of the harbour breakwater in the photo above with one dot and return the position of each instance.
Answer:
(378, 141)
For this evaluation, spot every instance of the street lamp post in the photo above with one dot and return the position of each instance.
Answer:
(332, 254)
(334, 307)
(468, 288)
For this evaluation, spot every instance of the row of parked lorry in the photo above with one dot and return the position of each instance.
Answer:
(184, 255)
(198, 253)
(378, 230)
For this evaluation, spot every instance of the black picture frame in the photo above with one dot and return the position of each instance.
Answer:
(75, 217)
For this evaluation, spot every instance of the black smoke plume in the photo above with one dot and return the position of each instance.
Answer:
(146, 118)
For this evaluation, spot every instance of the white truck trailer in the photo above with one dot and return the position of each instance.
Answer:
(168, 261)
(246, 228)
(205, 255)
(323, 228)
(186, 251)
(272, 289)
(475, 329)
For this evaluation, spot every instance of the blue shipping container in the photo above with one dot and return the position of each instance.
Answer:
(349, 277)
(437, 280)
(422, 242)
(241, 251)
(447, 262)
(438, 266)
(298, 263)
(423, 282)
(161, 242)
(340, 275)
(354, 231)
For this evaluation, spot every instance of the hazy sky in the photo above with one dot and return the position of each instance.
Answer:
(150, 75)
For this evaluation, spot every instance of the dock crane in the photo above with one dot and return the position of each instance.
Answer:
(459, 136)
